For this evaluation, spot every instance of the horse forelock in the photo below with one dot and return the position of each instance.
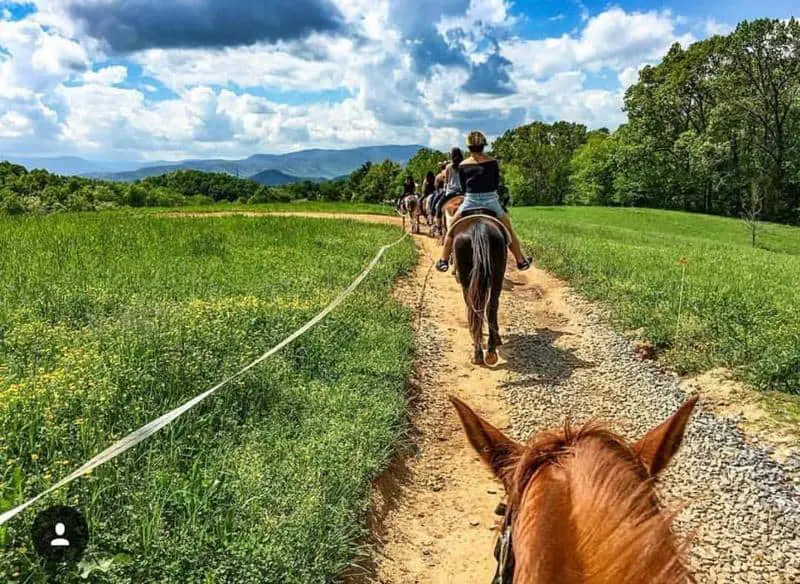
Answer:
(617, 529)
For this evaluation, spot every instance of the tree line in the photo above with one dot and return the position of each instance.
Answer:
(713, 128)
(39, 191)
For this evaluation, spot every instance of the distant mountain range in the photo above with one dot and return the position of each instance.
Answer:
(270, 169)
(71, 165)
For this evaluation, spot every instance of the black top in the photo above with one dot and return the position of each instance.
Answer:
(483, 177)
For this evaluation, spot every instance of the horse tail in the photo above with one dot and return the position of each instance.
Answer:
(480, 277)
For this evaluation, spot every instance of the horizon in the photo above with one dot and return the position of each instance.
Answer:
(8, 157)
(108, 82)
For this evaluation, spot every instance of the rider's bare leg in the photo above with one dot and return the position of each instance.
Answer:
(515, 246)
(447, 249)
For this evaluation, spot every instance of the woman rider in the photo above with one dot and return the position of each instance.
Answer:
(452, 182)
(479, 175)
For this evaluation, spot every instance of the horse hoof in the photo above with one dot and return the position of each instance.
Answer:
(477, 359)
(491, 358)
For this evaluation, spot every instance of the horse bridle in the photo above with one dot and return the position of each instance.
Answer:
(503, 551)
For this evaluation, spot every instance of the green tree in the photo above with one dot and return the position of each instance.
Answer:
(423, 161)
(377, 185)
(536, 161)
(593, 169)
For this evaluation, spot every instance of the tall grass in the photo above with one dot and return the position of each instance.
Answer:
(107, 321)
(739, 304)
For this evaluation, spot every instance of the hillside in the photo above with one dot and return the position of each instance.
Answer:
(278, 178)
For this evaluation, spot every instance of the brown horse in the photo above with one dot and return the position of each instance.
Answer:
(582, 506)
(480, 250)
(409, 207)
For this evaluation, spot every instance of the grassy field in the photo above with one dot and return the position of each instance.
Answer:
(739, 306)
(108, 320)
(297, 206)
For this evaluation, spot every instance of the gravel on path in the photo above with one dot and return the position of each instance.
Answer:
(742, 506)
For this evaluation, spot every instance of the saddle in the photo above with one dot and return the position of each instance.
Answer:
(470, 216)
(478, 211)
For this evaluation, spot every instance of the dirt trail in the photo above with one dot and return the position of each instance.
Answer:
(435, 523)
(434, 510)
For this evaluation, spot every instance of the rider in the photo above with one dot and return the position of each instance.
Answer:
(428, 188)
(409, 186)
(480, 176)
(452, 181)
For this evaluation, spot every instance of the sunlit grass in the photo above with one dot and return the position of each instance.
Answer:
(739, 308)
(108, 320)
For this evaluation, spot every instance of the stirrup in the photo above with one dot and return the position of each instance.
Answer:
(442, 265)
(524, 264)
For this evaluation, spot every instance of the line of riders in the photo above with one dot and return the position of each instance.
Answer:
(463, 187)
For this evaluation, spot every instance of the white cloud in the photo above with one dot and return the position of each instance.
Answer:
(713, 27)
(614, 39)
(37, 60)
(14, 125)
(113, 75)
(629, 76)
(254, 66)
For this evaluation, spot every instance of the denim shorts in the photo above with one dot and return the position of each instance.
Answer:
(488, 201)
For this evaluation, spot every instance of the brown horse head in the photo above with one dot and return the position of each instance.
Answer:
(582, 505)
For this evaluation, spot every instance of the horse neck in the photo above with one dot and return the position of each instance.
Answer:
(593, 518)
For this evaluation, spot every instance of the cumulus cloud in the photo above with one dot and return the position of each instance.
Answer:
(401, 72)
(106, 76)
(37, 59)
(491, 76)
(134, 25)
(614, 38)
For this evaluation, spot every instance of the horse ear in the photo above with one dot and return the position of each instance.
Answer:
(495, 448)
(661, 443)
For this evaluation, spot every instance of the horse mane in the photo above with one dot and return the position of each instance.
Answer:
(622, 533)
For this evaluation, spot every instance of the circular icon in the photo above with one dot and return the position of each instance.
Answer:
(60, 534)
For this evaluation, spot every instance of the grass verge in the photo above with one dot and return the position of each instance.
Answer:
(692, 284)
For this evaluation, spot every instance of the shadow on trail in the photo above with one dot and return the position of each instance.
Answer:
(535, 356)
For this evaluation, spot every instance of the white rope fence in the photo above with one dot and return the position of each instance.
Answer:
(151, 428)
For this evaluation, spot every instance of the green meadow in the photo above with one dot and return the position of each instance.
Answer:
(108, 320)
(691, 284)
(300, 206)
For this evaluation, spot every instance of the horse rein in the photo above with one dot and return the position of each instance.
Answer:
(503, 551)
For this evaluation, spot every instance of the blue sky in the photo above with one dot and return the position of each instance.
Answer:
(155, 79)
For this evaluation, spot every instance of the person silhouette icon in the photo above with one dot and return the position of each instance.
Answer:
(60, 534)
(60, 541)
